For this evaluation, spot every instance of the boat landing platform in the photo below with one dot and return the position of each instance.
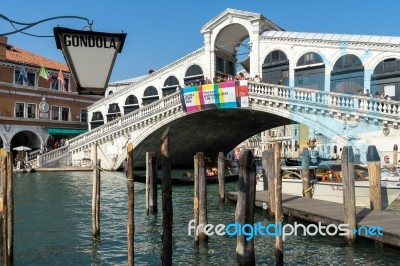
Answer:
(326, 212)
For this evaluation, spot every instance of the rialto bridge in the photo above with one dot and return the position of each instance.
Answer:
(315, 79)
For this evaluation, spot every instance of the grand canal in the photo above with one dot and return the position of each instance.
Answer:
(53, 227)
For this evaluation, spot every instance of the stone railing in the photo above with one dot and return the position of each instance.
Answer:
(359, 105)
(53, 155)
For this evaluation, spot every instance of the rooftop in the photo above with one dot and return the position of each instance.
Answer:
(20, 56)
(333, 37)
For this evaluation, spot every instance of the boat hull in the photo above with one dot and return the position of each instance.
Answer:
(333, 192)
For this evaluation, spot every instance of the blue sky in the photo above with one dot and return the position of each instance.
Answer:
(160, 32)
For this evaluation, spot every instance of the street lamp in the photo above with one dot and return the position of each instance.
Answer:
(90, 55)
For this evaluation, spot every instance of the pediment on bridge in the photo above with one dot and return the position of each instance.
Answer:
(232, 14)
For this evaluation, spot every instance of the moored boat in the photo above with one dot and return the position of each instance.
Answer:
(328, 187)
(332, 191)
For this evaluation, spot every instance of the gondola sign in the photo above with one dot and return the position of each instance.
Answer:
(90, 55)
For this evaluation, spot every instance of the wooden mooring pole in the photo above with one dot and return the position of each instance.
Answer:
(270, 173)
(7, 205)
(349, 199)
(245, 207)
(166, 255)
(203, 219)
(4, 232)
(131, 204)
(10, 207)
(305, 173)
(221, 176)
(395, 154)
(95, 195)
(278, 204)
(196, 198)
(374, 176)
(151, 182)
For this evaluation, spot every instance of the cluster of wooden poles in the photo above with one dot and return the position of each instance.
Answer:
(246, 195)
(245, 204)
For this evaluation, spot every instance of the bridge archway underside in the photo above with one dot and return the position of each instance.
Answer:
(209, 132)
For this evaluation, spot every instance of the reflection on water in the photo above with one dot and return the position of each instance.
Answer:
(53, 227)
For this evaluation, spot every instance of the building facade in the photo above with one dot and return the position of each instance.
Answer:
(37, 109)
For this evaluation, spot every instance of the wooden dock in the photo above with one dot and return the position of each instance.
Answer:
(314, 211)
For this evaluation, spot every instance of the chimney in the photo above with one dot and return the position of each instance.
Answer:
(3, 44)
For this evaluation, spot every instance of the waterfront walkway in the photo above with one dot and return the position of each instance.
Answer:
(313, 210)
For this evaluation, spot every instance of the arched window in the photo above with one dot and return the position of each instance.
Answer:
(275, 69)
(170, 85)
(347, 75)
(310, 72)
(309, 58)
(275, 57)
(131, 99)
(194, 74)
(131, 104)
(348, 62)
(113, 112)
(96, 116)
(97, 120)
(386, 78)
(171, 81)
(194, 70)
(150, 95)
(150, 91)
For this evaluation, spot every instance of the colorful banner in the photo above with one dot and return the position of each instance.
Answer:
(191, 99)
(230, 94)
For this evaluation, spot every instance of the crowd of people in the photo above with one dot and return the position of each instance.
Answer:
(222, 78)
(377, 95)
(60, 143)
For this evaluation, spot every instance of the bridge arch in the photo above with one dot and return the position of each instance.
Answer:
(131, 104)
(347, 75)
(228, 45)
(97, 120)
(150, 95)
(113, 111)
(275, 68)
(234, 126)
(25, 138)
(385, 78)
(193, 74)
(170, 85)
(309, 71)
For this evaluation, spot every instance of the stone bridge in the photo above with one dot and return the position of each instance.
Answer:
(354, 120)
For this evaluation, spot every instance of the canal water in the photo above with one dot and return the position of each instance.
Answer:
(53, 227)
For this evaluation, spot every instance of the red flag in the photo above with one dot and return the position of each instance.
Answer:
(61, 79)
